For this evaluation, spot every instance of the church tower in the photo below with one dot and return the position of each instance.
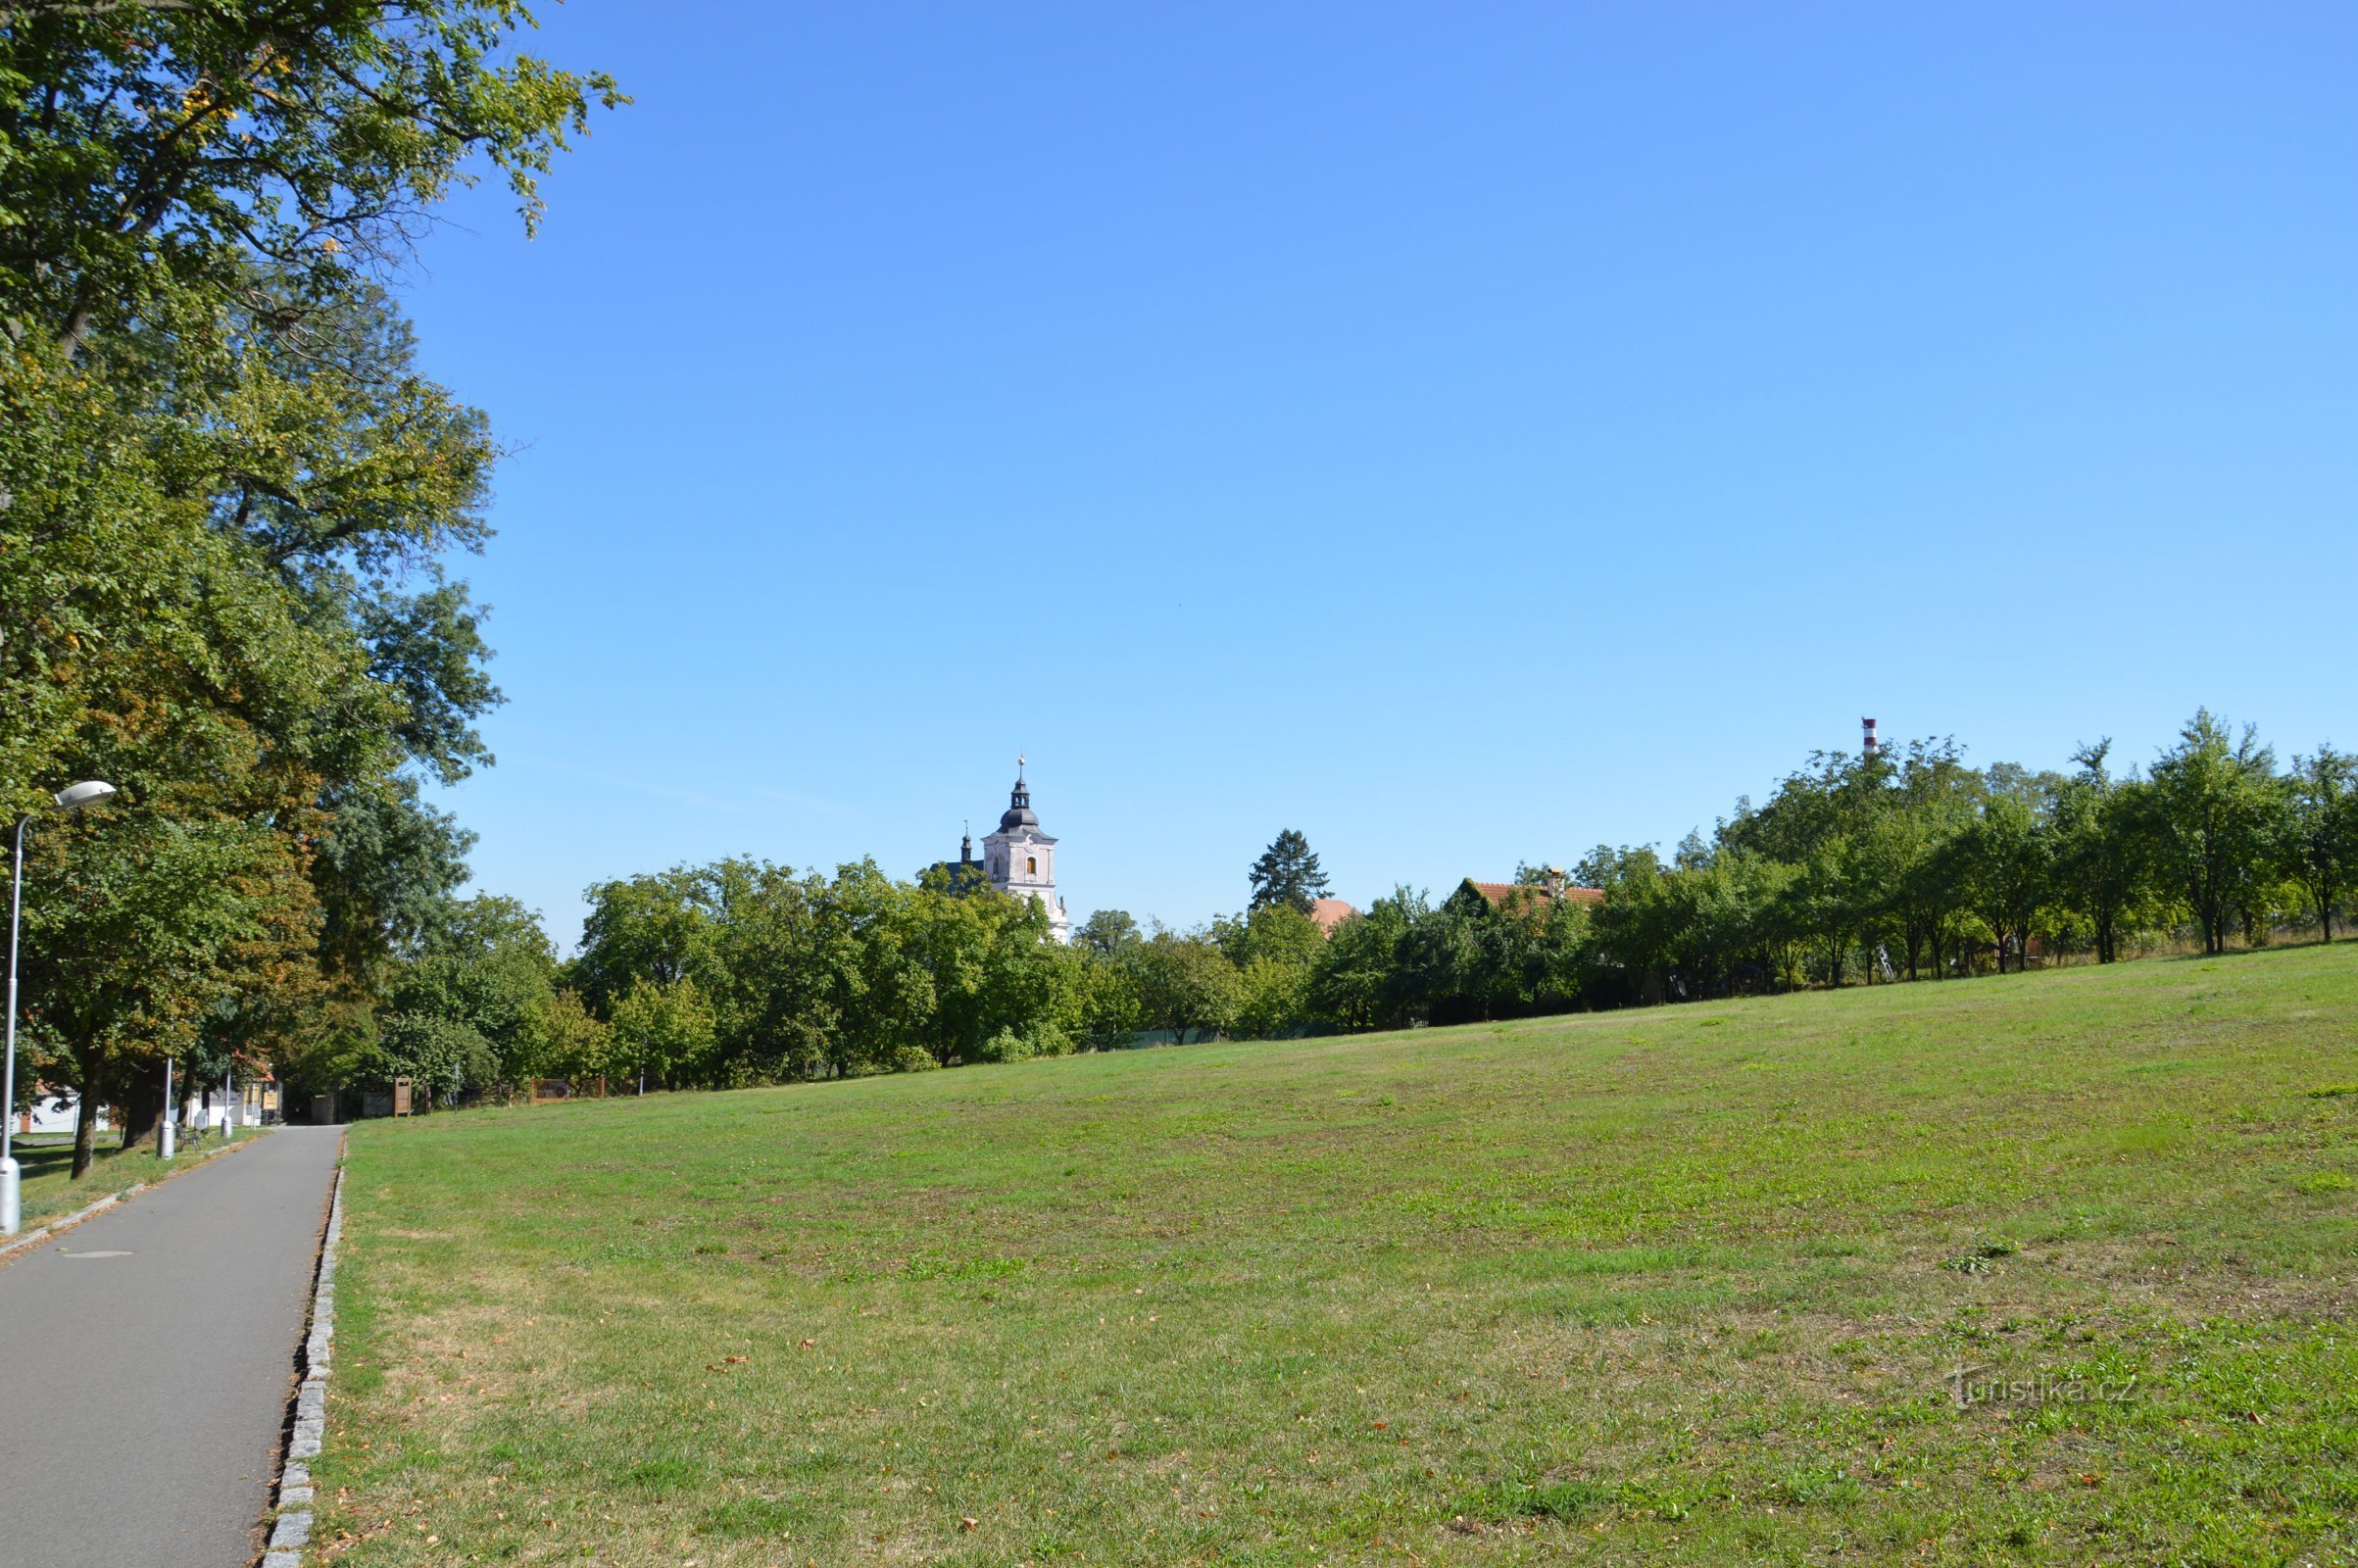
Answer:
(1021, 859)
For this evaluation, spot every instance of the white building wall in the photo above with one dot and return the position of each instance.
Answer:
(1004, 860)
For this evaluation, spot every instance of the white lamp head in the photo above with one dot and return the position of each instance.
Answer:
(73, 797)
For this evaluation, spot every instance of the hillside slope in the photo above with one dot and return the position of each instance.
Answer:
(2048, 1268)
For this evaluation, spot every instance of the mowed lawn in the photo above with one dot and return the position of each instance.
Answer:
(1689, 1285)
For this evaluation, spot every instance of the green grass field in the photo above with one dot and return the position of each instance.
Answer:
(2053, 1268)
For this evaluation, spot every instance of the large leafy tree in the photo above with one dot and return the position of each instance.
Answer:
(1185, 983)
(226, 493)
(2103, 849)
(1931, 807)
(2324, 840)
(473, 1009)
(158, 152)
(2219, 821)
(2004, 862)
(1356, 982)
(1106, 932)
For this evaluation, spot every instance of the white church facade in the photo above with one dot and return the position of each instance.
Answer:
(1018, 860)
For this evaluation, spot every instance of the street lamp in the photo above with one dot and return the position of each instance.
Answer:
(72, 798)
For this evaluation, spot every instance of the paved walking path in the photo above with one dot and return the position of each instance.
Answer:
(142, 1392)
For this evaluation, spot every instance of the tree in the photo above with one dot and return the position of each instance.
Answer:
(1109, 1001)
(1106, 932)
(644, 928)
(1286, 873)
(1935, 804)
(2004, 861)
(1356, 984)
(160, 150)
(1633, 929)
(225, 492)
(2103, 849)
(1276, 931)
(2218, 822)
(2324, 840)
(481, 993)
(1824, 822)
(144, 922)
(443, 1055)
(1271, 995)
(575, 1044)
(661, 1030)
(1185, 983)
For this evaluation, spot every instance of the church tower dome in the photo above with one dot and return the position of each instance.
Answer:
(1019, 813)
(1021, 861)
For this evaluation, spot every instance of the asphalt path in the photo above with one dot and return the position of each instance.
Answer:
(146, 1361)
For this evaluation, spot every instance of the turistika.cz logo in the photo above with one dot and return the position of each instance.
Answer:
(1975, 1384)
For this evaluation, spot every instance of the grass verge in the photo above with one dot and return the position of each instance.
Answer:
(49, 1194)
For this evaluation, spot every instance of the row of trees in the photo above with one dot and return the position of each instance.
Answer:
(734, 973)
(226, 499)
(1885, 866)
(1874, 866)
(1915, 864)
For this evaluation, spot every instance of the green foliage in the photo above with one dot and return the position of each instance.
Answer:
(2004, 861)
(2220, 823)
(1286, 873)
(1356, 983)
(2104, 850)
(796, 976)
(226, 495)
(807, 976)
(1106, 932)
(156, 152)
(1185, 983)
(443, 1055)
(2323, 843)
(575, 1044)
(483, 986)
(666, 1030)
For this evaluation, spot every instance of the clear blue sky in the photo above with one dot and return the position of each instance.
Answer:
(1464, 433)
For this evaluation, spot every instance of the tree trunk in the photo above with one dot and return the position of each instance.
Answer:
(142, 1101)
(89, 1095)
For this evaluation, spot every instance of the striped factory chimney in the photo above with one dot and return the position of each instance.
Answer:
(1868, 725)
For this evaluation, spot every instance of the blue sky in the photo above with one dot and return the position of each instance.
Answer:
(1463, 433)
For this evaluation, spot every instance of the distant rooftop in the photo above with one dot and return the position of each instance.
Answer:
(1498, 893)
(1329, 913)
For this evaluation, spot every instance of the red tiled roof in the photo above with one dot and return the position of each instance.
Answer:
(1498, 893)
(1329, 913)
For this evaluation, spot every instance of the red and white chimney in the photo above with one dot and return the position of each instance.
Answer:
(1868, 725)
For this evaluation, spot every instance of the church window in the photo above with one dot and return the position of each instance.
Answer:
(1031, 865)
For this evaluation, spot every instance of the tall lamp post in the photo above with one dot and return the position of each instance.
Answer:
(72, 798)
